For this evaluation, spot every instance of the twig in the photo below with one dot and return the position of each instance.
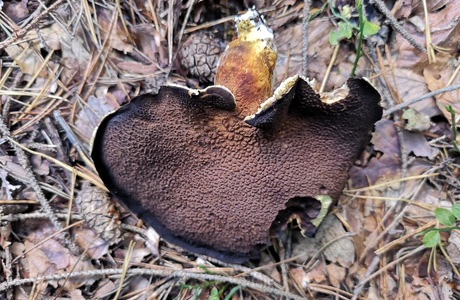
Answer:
(183, 274)
(306, 14)
(360, 286)
(429, 46)
(323, 247)
(394, 23)
(129, 254)
(246, 271)
(45, 240)
(35, 215)
(329, 67)
(221, 21)
(418, 99)
(93, 179)
(170, 31)
(73, 139)
(373, 265)
(24, 162)
(190, 4)
(284, 269)
(26, 28)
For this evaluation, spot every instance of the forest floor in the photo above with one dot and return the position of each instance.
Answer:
(65, 64)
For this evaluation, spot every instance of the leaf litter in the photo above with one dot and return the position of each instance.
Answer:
(85, 59)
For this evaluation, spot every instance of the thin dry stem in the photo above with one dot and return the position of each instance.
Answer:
(29, 26)
(429, 47)
(92, 178)
(32, 181)
(367, 279)
(418, 99)
(394, 23)
(305, 19)
(182, 274)
(125, 268)
(329, 67)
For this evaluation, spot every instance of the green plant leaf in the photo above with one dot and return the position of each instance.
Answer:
(456, 211)
(346, 12)
(370, 28)
(232, 292)
(444, 216)
(431, 239)
(344, 31)
(214, 294)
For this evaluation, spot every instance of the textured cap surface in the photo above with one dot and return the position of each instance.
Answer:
(216, 185)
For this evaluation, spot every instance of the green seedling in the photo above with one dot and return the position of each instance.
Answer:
(446, 217)
(345, 28)
(217, 292)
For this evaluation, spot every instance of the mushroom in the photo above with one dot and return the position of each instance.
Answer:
(219, 176)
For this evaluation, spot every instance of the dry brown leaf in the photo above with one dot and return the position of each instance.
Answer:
(342, 251)
(40, 166)
(9, 164)
(317, 274)
(336, 274)
(118, 37)
(432, 5)
(388, 166)
(454, 247)
(79, 264)
(40, 264)
(75, 57)
(445, 33)
(48, 256)
(104, 288)
(92, 113)
(300, 276)
(409, 84)
(416, 122)
(385, 138)
(402, 9)
(289, 63)
(6, 188)
(437, 76)
(28, 59)
(416, 143)
(17, 11)
(421, 216)
(148, 41)
(139, 252)
(140, 285)
(5, 234)
(134, 67)
(76, 295)
(286, 8)
(91, 242)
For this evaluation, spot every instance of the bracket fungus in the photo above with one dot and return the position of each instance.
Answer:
(217, 172)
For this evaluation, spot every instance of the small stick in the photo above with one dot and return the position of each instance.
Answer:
(73, 139)
(26, 28)
(394, 23)
(183, 274)
(306, 14)
(418, 99)
(32, 180)
(329, 67)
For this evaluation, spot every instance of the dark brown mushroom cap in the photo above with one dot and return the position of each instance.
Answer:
(208, 181)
